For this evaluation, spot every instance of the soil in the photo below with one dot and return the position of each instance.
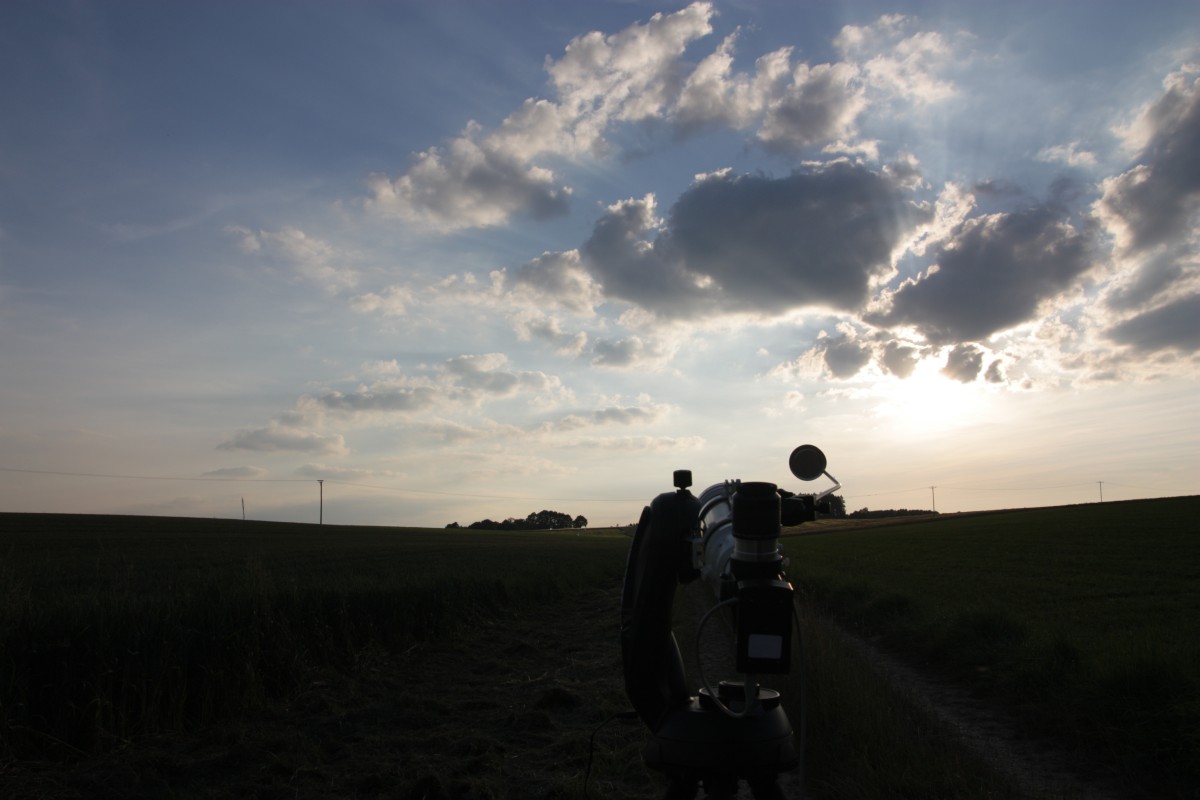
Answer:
(517, 707)
(504, 710)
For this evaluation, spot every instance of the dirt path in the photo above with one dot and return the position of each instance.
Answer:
(1039, 768)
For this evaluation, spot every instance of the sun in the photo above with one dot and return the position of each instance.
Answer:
(928, 402)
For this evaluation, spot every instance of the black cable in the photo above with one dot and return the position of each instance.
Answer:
(587, 775)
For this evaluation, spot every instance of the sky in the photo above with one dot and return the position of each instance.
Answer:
(467, 260)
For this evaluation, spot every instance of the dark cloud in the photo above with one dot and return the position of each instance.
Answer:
(995, 372)
(752, 243)
(621, 353)
(899, 359)
(1153, 278)
(964, 363)
(632, 269)
(1154, 203)
(992, 275)
(844, 357)
(997, 187)
(1175, 325)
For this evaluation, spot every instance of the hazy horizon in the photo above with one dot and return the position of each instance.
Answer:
(476, 260)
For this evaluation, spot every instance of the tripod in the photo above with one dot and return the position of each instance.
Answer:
(699, 745)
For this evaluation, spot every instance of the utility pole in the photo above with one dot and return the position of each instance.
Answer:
(933, 498)
(243, 509)
(1101, 490)
(321, 517)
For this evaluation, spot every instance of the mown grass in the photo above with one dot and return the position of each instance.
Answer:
(1084, 621)
(114, 627)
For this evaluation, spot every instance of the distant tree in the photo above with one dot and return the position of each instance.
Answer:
(837, 506)
(866, 513)
(453, 525)
(537, 520)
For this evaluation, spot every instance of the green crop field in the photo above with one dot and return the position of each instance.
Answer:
(111, 627)
(1084, 620)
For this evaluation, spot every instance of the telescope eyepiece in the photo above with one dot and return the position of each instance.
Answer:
(756, 511)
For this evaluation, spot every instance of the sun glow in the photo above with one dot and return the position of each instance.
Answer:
(928, 402)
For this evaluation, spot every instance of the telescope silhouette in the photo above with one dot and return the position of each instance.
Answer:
(729, 536)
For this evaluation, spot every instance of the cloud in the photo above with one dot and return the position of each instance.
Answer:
(469, 184)
(279, 436)
(611, 415)
(393, 301)
(992, 274)
(794, 107)
(624, 353)
(482, 376)
(963, 363)
(532, 325)
(1152, 211)
(558, 279)
(308, 257)
(844, 356)
(1155, 202)
(902, 66)
(799, 106)
(236, 472)
(630, 75)
(335, 473)
(642, 443)
(755, 244)
(467, 380)
(482, 179)
(1173, 326)
(383, 396)
(819, 106)
(1070, 154)
(899, 359)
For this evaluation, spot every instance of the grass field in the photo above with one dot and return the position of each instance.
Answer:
(114, 627)
(1083, 620)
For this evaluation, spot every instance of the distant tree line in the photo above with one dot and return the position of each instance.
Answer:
(537, 521)
(866, 513)
(837, 506)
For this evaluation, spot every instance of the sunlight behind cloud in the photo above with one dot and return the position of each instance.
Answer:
(928, 403)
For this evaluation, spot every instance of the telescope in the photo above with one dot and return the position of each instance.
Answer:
(729, 537)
